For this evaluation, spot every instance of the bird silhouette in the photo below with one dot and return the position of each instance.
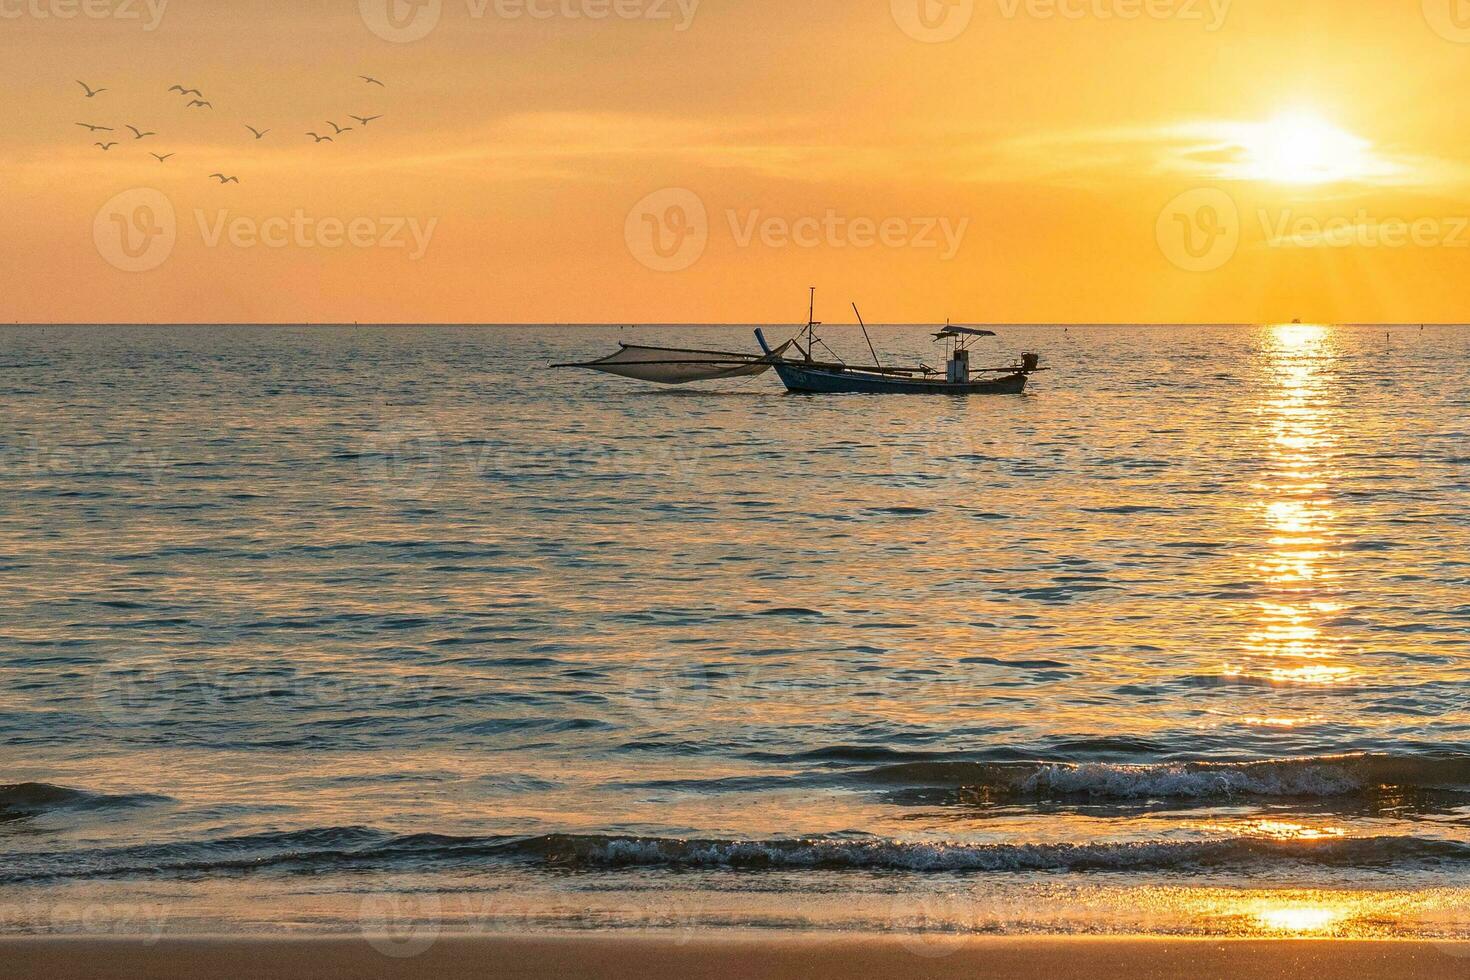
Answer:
(259, 133)
(186, 91)
(201, 103)
(320, 139)
(160, 157)
(91, 92)
(339, 129)
(95, 129)
(105, 146)
(139, 134)
(364, 120)
(372, 81)
(225, 180)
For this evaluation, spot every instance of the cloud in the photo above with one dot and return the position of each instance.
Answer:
(1211, 150)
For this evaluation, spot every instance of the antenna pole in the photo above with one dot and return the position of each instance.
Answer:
(876, 362)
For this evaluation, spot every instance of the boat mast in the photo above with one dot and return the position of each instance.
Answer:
(811, 323)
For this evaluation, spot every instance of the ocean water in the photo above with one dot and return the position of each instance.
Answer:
(393, 630)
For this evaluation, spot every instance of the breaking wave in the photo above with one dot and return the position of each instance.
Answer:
(32, 799)
(881, 854)
(1320, 777)
(361, 849)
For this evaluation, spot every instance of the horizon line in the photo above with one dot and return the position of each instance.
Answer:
(712, 323)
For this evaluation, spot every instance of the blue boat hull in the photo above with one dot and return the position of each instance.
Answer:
(821, 381)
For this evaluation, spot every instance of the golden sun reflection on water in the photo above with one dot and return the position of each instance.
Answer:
(1285, 830)
(1288, 645)
(1299, 919)
(1311, 675)
(1310, 913)
(1277, 722)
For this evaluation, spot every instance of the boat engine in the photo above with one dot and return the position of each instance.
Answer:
(959, 367)
(1030, 362)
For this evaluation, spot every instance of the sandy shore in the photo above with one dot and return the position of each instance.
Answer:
(777, 957)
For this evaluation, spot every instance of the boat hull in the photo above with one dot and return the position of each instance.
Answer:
(820, 381)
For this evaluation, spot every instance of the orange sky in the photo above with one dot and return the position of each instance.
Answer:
(1053, 161)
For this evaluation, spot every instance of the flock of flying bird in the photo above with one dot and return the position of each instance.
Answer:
(198, 101)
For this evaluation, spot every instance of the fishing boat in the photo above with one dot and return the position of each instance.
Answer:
(680, 366)
(811, 376)
(808, 375)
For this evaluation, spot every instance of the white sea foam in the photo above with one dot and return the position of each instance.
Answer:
(1190, 782)
(939, 856)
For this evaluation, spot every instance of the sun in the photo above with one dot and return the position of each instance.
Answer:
(1300, 147)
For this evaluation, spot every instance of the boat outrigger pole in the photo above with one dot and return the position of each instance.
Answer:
(876, 362)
